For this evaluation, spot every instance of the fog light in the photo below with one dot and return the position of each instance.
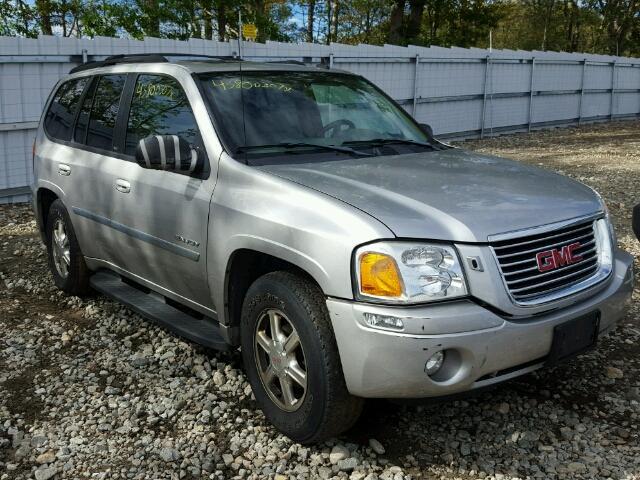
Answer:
(383, 321)
(434, 363)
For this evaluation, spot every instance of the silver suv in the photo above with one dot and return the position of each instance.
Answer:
(301, 215)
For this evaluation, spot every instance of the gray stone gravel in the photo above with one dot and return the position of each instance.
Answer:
(90, 390)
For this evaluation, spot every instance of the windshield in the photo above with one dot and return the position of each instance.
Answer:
(267, 114)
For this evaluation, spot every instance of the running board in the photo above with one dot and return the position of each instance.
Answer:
(204, 331)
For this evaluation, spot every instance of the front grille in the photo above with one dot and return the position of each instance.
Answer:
(519, 266)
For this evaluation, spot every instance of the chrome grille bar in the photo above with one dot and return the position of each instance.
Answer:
(555, 280)
(548, 291)
(545, 238)
(518, 261)
(547, 247)
(531, 269)
(548, 274)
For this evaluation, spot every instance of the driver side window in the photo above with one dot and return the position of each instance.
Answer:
(160, 107)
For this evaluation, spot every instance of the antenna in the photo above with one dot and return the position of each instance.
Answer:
(240, 33)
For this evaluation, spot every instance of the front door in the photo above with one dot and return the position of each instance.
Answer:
(161, 217)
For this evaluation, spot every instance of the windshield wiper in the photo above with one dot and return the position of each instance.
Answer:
(297, 145)
(387, 141)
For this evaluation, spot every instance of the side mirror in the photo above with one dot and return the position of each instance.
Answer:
(426, 128)
(636, 221)
(170, 153)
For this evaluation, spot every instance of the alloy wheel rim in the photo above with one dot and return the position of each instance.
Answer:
(60, 248)
(280, 360)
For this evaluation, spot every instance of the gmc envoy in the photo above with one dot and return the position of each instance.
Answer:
(301, 215)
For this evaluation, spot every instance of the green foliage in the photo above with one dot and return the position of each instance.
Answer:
(364, 21)
(108, 19)
(598, 26)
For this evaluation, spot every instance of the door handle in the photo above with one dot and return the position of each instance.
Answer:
(64, 170)
(123, 186)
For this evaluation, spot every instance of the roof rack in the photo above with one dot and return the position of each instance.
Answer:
(145, 58)
(290, 62)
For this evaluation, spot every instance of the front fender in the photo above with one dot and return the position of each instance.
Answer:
(255, 210)
(284, 252)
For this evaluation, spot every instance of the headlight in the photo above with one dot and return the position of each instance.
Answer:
(407, 272)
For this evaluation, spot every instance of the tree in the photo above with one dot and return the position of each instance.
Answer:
(332, 31)
(619, 18)
(395, 22)
(311, 13)
(221, 11)
(363, 21)
(602, 26)
(45, 10)
(207, 18)
(416, 9)
(150, 15)
(6, 20)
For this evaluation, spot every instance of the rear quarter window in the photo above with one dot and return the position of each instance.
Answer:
(58, 122)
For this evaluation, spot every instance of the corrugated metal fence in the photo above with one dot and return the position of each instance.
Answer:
(460, 92)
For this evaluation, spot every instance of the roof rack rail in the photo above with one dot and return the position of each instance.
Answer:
(144, 58)
(291, 62)
(117, 59)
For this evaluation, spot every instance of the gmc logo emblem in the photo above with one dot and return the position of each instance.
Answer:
(556, 258)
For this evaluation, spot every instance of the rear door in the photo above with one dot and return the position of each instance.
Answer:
(162, 217)
(96, 166)
(80, 125)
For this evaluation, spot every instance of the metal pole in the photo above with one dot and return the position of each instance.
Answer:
(415, 86)
(330, 61)
(613, 88)
(533, 69)
(484, 94)
(584, 69)
(240, 34)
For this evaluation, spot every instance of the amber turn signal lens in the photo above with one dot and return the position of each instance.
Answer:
(379, 275)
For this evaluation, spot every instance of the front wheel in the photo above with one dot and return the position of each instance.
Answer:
(292, 360)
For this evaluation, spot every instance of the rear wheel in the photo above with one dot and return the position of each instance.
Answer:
(66, 262)
(292, 360)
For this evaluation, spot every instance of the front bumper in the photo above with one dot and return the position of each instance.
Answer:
(487, 348)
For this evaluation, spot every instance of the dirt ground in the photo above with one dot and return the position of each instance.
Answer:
(90, 390)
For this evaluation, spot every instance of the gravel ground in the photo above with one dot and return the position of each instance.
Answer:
(89, 390)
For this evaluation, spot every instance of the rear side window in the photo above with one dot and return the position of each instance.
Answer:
(62, 111)
(160, 107)
(104, 111)
(83, 117)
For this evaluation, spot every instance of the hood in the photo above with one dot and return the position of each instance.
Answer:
(451, 194)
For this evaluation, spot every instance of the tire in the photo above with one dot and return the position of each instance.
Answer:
(76, 279)
(326, 408)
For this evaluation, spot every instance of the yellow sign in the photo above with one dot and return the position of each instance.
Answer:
(249, 31)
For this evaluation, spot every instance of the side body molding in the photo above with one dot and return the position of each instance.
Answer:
(138, 234)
